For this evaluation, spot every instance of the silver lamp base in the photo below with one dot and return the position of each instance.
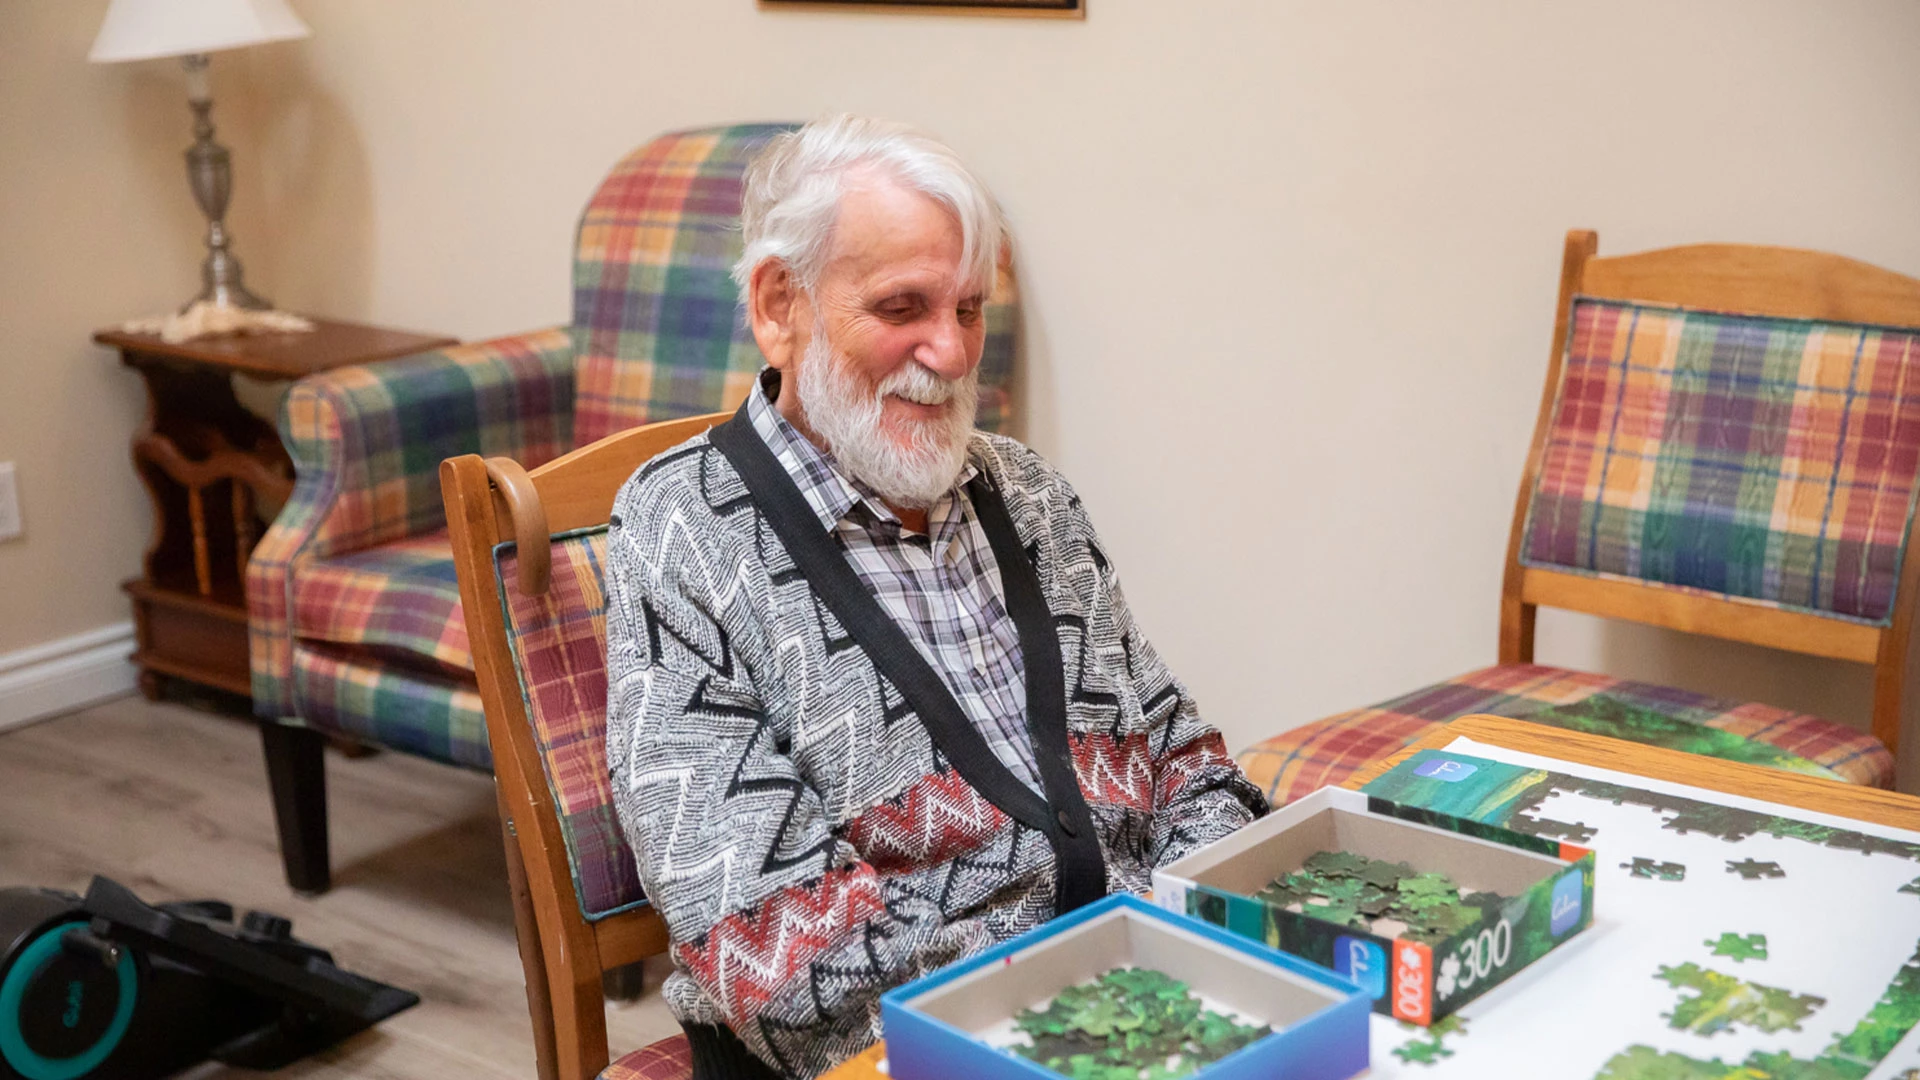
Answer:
(210, 173)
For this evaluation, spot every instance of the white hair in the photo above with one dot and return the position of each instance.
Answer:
(794, 185)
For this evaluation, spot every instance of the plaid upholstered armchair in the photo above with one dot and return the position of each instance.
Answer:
(1728, 444)
(354, 609)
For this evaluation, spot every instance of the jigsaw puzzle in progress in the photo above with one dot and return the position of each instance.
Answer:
(1721, 947)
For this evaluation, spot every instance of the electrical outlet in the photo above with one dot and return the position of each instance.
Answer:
(9, 503)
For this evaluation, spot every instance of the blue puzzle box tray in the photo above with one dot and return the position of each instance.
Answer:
(947, 1024)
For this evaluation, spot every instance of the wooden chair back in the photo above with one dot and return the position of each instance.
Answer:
(490, 502)
(1740, 280)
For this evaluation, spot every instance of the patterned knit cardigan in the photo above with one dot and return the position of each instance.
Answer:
(803, 837)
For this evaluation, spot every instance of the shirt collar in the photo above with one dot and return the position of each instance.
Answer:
(829, 491)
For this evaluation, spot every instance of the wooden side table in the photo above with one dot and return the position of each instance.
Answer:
(214, 470)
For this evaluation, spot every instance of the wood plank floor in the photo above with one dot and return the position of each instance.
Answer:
(172, 802)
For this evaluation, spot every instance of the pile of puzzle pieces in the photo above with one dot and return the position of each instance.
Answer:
(1354, 890)
(1130, 1024)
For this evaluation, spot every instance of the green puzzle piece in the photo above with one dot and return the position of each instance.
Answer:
(1376, 904)
(1643, 867)
(1343, 889)
(1386, 875)
(1421, 1053)
(1432, 1047)
(1336, 863)
(1437, 885)
(1722, 1001)
(1740, 947)
(1344, 912)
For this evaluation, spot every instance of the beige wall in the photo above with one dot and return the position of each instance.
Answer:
(1290, 266)
(96, 226)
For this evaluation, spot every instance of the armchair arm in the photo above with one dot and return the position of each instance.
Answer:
(367, 443)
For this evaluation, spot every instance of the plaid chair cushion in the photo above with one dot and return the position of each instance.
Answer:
(398, 598)
(1769, 459)
(397, 707)
(1327, 751)
(559, 644)
(668, 1059)
(657, 327)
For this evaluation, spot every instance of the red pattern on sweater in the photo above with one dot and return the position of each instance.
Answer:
(1204, 754)
(1116, 771)
(938, 817)
(749, 956)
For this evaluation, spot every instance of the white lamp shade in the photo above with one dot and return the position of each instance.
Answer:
(145, 29)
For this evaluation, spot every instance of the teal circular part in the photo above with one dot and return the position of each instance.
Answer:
(13, 1042)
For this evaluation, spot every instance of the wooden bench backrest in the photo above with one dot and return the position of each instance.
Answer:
(564, 955)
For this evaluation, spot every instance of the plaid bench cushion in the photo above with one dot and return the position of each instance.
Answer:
(1327, 751)
(559, 644)
(668, 1059)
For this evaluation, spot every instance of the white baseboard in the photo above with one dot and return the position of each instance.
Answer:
(60, 676)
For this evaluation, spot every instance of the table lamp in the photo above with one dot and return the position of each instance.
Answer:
(190, 29)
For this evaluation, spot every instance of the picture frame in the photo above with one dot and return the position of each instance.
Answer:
(1048, 9)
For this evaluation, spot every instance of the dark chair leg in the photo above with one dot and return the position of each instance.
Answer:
(624, 984)
(297, 773)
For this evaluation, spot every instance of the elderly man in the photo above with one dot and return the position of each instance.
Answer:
(876, 702)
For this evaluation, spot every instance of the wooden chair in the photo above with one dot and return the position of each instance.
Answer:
(528, 549)
(1788, 529)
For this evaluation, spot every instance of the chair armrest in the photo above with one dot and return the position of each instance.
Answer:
(367, 443)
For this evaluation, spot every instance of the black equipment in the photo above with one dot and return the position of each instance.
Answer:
(106, 987)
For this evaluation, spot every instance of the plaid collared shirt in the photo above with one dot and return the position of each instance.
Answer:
(943, 588)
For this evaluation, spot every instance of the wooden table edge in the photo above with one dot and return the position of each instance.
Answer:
(1834, 797)
(1578, 748)
(227, 351)
(866, 1065)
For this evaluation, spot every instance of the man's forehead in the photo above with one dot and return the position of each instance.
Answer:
(887, 232)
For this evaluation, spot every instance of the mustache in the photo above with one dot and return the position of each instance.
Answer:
(916, 383)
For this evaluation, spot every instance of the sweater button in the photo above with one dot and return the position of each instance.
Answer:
(1066, 824)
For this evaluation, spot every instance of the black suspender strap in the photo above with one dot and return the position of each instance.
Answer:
(1082, 868)
(1062, 816)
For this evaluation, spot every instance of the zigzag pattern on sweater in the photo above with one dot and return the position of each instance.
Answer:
(750, 955)
(1116, 771)
(936, 819)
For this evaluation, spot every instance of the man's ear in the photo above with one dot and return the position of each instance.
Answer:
(774, 310)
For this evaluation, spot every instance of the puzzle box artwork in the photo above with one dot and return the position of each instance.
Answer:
(1735, 940)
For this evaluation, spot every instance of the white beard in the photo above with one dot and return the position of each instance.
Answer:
(845, 413)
